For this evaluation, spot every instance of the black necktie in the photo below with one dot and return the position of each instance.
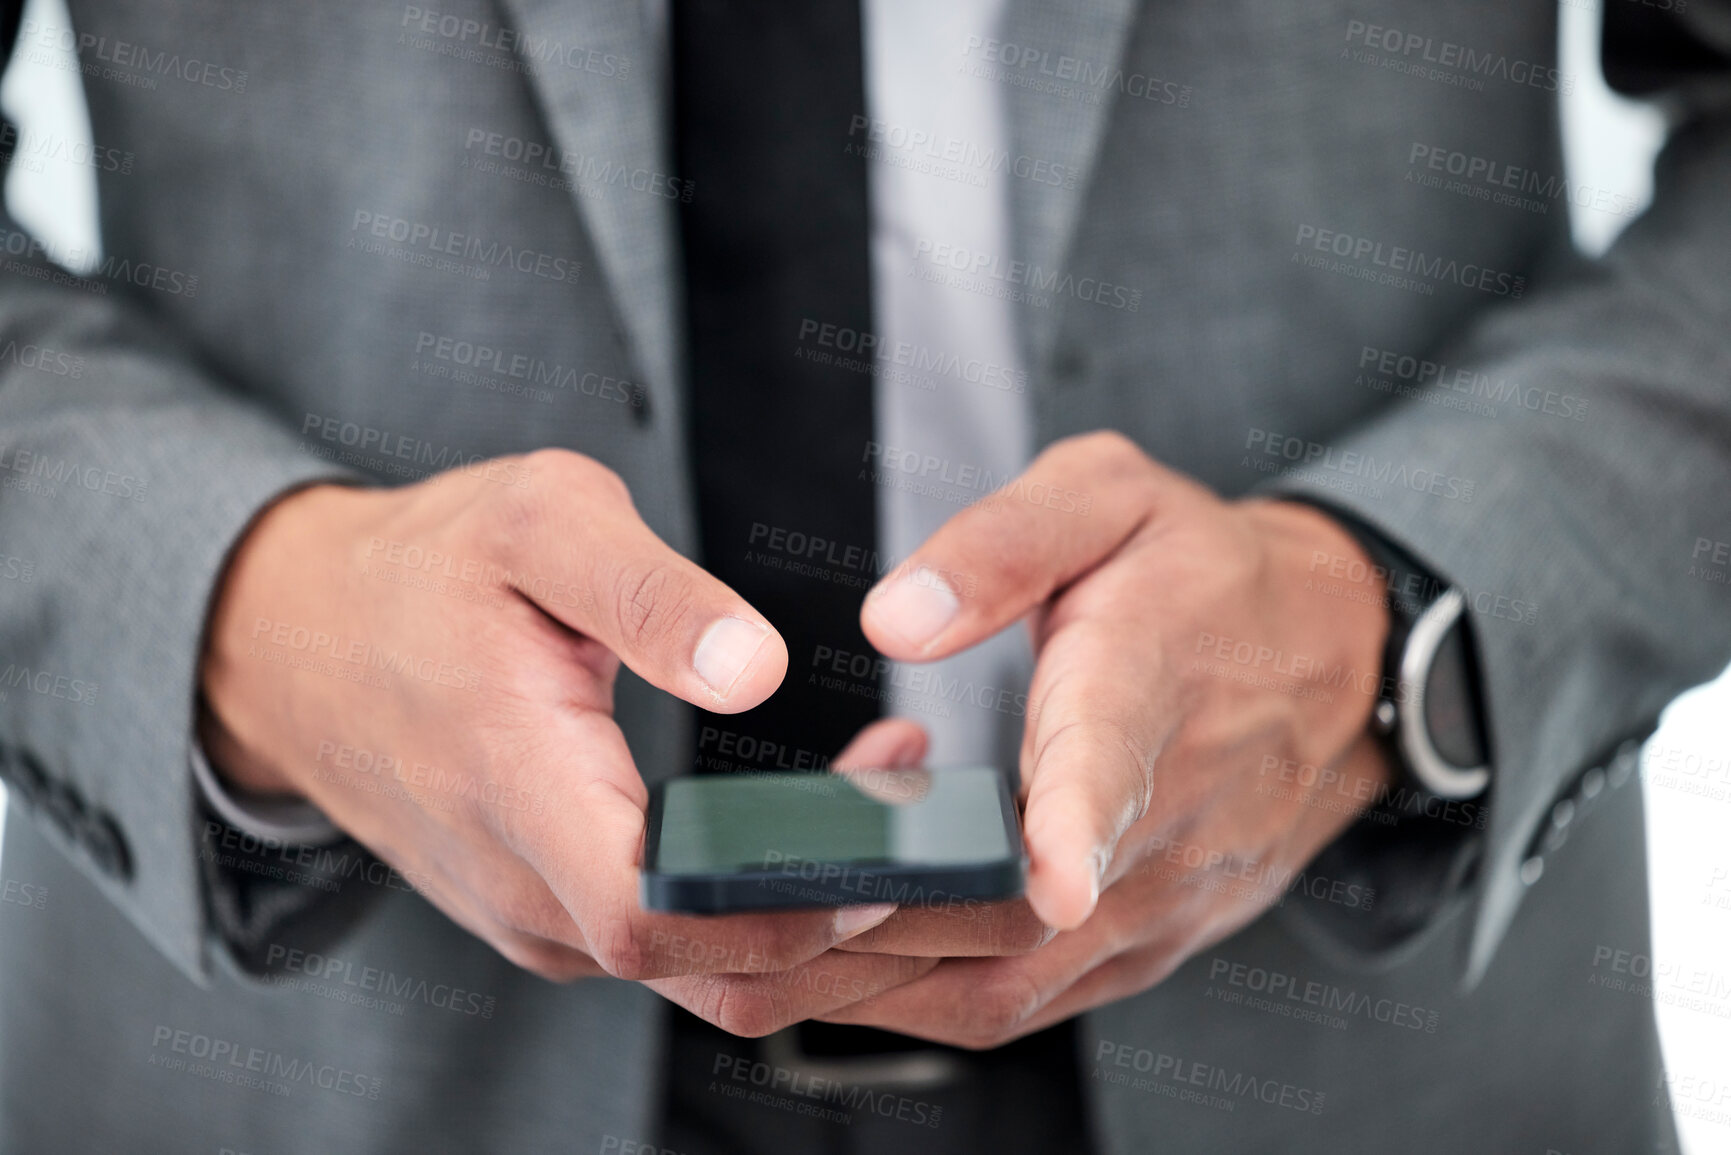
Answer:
(776, 247)
(776, 242)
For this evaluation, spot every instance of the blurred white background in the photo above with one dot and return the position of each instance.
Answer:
(1610, 144)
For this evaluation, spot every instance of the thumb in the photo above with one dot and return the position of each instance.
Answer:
(990, 564)
(667, 618)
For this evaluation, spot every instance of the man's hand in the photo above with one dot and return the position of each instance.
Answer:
(1184, 653)
(433, 666)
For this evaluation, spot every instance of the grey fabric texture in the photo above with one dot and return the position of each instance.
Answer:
(1215, 137)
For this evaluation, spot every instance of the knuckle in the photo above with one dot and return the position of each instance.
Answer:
(530, 910)
(652, 603)
(741, 1007)
(544, 960)
(998, 1006)
(782, 948)
(619, 950)
(1017, 930)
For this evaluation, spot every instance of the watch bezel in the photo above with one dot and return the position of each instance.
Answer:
(1435, 772)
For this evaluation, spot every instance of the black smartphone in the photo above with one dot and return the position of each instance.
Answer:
(729, 842)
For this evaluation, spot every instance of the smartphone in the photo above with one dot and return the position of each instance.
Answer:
(730, 842)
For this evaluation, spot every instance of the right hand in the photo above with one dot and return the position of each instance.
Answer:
(476, 627)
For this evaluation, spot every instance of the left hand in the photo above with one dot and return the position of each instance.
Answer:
(1183, 652)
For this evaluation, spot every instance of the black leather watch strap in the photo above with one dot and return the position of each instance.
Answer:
(1449, 702)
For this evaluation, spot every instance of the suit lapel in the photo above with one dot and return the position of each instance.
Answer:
(1064, 129)
(595, 67)
(615, 116)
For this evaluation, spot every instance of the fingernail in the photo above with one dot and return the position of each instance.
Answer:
(915, 607)
(725, 650)
(856, 920)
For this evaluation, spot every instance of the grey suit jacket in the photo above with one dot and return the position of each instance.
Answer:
(1311, 207)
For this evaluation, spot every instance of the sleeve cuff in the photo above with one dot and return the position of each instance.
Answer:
(282, 821)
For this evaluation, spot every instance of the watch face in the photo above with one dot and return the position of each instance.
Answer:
(1451, 697)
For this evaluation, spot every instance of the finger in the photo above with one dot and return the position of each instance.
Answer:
(1075, 505)
(957, 929)
(985, 1002)
(756, 1005)
(586, 845)
(980, 1002)
(888, 744)
(673, 623)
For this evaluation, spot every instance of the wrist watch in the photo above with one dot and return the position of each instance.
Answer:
(1429, 706)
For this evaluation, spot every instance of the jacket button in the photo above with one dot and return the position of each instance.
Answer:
(28, 778)
(1069, 363)
(1532, 869)
(63, 807)
(1623, 764)
(107, 846)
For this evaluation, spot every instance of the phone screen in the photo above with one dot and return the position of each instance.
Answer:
(717, 824)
